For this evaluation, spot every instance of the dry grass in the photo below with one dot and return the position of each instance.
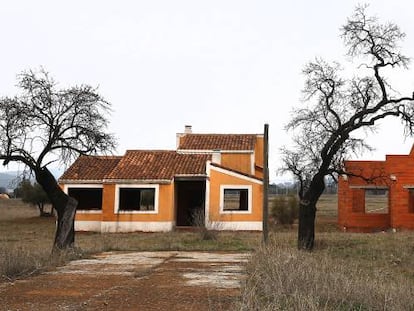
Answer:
(345, 272)
(15, 209)
(26, 241)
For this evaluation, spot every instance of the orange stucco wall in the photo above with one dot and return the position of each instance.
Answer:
(240, 162)
(165, 207)
(350, 213)
(258, 151)
(216, 180)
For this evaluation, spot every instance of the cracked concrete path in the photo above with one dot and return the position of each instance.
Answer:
(133, 281)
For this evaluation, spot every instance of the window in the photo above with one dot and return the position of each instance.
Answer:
(376, 201)
(89, 199)
(236, 199)
(411, 200)
(137, 199)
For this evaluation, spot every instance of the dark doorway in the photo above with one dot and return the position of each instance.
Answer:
(190, 198)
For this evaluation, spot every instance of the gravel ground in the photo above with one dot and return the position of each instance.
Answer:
(133, 281)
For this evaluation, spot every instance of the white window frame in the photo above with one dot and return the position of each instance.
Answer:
(249, 198)
(83, 211)
(152, 186)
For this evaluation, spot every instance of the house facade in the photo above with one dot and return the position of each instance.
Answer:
(210, 179)
(377, 195)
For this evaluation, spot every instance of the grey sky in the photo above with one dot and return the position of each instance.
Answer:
(220, 66)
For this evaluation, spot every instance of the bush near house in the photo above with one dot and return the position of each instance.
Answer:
(285, 209)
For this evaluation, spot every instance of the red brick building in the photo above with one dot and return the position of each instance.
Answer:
(383, 198)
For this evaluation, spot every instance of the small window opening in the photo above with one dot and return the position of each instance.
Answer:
(88, 198)
(137, 199)
(411, 200)
(376, 201)
(236, 200)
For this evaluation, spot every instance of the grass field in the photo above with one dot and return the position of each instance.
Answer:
(346, 271)
(26, 241)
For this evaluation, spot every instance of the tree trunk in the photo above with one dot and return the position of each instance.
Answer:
(65, 230)
(307, 213)
(65, 207)
(306, 230)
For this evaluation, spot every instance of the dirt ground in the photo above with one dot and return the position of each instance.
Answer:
(133, 281)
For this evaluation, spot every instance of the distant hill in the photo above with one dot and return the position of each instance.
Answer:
(8, 179)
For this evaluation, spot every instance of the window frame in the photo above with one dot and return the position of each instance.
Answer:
(85, 186)
(118, 188)
(236, 187)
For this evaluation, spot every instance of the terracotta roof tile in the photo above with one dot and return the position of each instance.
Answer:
(158, 165)
(90, 168)
(217, 141)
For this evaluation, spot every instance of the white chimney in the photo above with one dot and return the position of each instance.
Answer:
(216, 156)
(188, 129)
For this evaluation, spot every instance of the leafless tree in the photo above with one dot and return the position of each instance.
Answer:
(327, 128)
(44, 125)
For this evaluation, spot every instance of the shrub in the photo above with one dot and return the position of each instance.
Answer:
(285, 209)
(207, 231)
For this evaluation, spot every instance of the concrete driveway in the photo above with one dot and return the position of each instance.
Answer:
(133, 281)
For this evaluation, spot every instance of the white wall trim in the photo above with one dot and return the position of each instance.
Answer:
(88, 225)
(210, 151)
(207, 195)
(137, 181)
(84, 211)
(235, 225)
(237, 175)
(249, 202)
(252, 163)
(133, 226)
(67, 186)
(152, 186)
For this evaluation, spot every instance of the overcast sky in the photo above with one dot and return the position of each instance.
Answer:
(220, 66)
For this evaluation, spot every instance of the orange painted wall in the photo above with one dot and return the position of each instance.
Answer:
(258, 151)
(89, 216)
(165, 207)
(217, 179)
(237, 161)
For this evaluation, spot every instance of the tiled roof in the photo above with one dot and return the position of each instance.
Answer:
(217, 141)
(90, 168)
(158, 165)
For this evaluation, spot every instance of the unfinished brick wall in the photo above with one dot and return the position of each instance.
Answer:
(395, 173)
(351, 197)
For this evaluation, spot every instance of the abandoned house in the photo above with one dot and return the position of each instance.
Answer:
(210, 179)
(381, 198)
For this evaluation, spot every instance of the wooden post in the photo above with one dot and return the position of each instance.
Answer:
(265, 184)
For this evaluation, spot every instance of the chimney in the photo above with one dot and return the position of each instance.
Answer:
(216, 156)
(188, 129)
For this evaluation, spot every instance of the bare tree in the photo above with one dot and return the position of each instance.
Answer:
(44, 125)
(327, 128)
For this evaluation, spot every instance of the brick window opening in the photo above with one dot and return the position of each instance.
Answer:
(136, 199)
(88, 198)
(236, 200)
(376, 201)
(411, 200)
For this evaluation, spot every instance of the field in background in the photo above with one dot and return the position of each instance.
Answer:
(22, 229)
(346, 271)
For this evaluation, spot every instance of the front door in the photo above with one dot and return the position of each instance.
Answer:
(190, 198)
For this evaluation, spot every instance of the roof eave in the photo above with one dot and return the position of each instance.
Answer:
(136, 181)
